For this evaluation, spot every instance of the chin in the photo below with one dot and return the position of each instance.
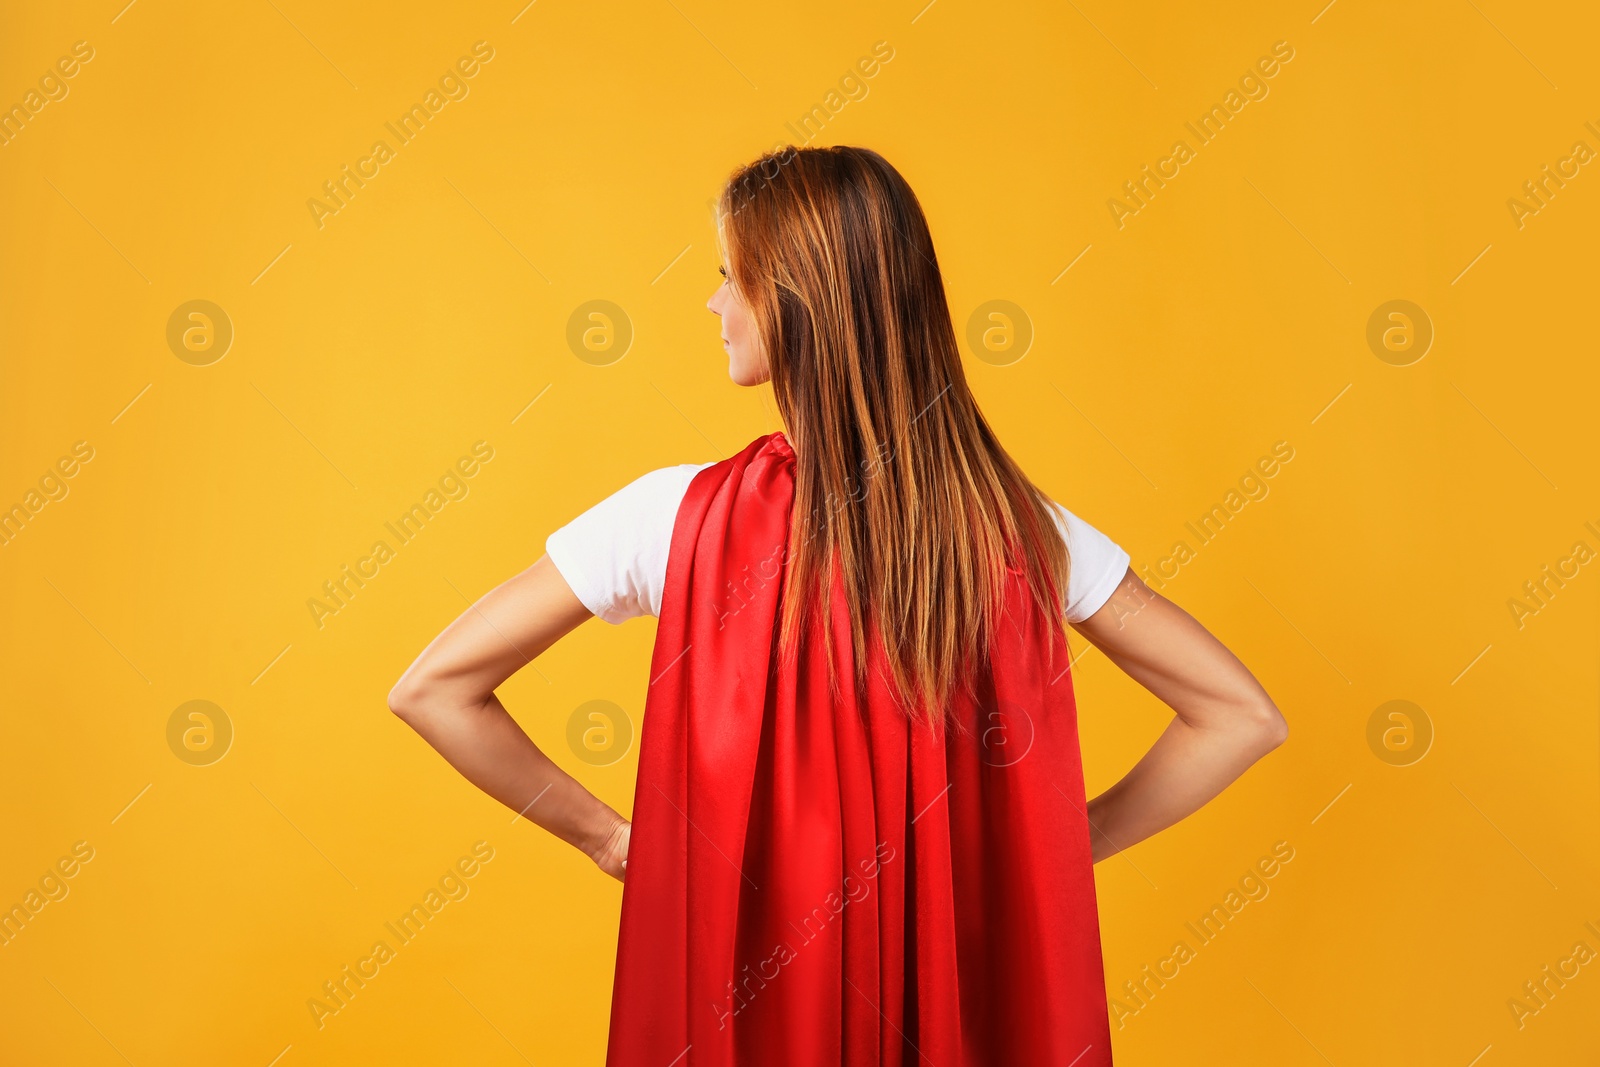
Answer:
(744, 374)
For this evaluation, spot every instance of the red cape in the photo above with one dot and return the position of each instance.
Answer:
(818, 881)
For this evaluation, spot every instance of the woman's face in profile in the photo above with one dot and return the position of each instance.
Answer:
(747, 364)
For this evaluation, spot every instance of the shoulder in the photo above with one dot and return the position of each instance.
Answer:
(614, 555)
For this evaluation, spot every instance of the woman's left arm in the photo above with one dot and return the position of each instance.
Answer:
(448, 696)
(1224, 720)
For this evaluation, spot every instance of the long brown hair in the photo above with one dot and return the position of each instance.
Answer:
(901, 488)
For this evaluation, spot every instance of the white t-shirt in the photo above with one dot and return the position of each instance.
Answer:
(614, 556)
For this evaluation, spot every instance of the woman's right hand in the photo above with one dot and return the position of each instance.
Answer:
(612, 854)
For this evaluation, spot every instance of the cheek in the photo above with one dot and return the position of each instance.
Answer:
(738, 321)
(747, 324)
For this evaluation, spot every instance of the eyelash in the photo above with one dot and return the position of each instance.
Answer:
(722, 271)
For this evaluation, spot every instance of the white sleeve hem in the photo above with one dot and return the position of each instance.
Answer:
(1097, 566)
(614, 556)
(1100, 588)
(585, 590)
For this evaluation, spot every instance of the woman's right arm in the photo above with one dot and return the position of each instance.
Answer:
(448, 696)
(1224, 721)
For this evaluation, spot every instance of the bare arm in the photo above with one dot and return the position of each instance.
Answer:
(448, 697)
(1225, 721)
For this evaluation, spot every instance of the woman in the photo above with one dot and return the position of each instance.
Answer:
(863, 834)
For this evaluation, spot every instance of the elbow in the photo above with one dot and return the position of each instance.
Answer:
(1270, 727)
(421, 697)
(408, 699)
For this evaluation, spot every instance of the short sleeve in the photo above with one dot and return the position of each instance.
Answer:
(1097, 566)
(614, 556)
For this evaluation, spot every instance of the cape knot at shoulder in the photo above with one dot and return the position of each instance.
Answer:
(776, 442)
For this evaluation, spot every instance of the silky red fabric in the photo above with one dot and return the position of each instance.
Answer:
(824, 881)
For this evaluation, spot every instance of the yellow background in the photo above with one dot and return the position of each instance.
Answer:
(369, 354)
